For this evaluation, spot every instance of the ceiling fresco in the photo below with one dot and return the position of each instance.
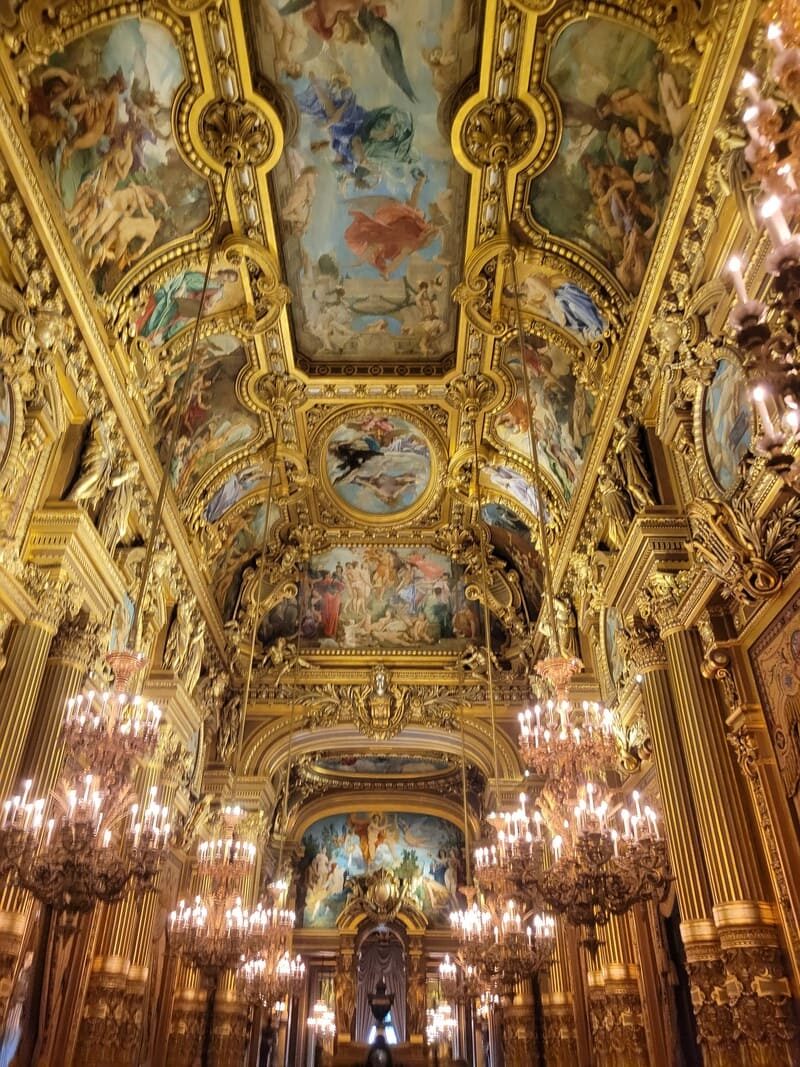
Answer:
(213, 424)
(624, 109)
(364, 195)
(512, 539)
(377, 464)
(100, 121)
(546, 292)
(241, 529)
(381, 597)
(562, 411)
(369, 89)
(174, 304)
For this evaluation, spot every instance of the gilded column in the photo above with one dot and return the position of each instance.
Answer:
(753, 975)
(519, 1036)
(26, 657)
(647, 656)
(615, 1002)
(560, 1038)
(112, 1016)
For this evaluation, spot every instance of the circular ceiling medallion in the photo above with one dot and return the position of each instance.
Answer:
(378, 465)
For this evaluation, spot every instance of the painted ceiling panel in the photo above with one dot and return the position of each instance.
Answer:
(624, 109)
(562, 410)
(369, 199)
(100, 122)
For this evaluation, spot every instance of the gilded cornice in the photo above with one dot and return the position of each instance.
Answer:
(62, 538)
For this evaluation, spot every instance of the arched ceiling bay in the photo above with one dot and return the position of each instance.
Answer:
(363, 320)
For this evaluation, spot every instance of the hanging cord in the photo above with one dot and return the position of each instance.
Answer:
(285, 815)
(188, 376)
(484, 540)
(555, 641)
(262, 566)
(467, 855)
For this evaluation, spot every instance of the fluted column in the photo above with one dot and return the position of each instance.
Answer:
(761, 1010)
(560, 1038)
(615, 1002)
(113, 1016)
(648, 657)
(26, 656)
(20, 681)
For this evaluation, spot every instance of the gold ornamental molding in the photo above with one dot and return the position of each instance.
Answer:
(63, 538)
(180, 710)
(653, 542)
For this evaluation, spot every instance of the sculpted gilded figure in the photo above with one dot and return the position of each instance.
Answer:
(633, 465)
(615, 506)
(179, 637)
(115, 511)
(194, 657)
(97, 463)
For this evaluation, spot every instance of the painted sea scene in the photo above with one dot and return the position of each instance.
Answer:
(423, 849)
(100, 121)
(562, 411)
(378, 597)
(625, 111)
(727, 423)
(378, 463)
(370, 86)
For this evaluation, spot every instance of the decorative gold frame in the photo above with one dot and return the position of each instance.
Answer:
(705, 471)
(436, 452)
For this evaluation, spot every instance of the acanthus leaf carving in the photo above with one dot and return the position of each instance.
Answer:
(748, 554)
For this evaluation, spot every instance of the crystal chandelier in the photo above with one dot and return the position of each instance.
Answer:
(508, 866)
(322, 1022)
(598, 872)
(265, 981)
(459, 980)
(564, 744)
(214, 934)
(441, 1024)
(767, 332)
(499, 948)
(89, 841)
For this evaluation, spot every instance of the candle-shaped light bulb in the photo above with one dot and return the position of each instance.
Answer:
(735, 271)
(772, 214)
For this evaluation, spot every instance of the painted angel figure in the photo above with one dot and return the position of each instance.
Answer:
(356, 21)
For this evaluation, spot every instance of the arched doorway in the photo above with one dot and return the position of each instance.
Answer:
(381, 955)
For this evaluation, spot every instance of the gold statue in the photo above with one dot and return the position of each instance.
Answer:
(97, 462)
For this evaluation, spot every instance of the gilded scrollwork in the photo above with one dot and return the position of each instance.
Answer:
(749, 555)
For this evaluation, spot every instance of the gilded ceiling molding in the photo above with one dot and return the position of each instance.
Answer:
(715, 73)
(267, 745)
(87, 359)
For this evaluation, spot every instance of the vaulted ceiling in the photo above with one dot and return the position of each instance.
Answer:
(363, 319)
